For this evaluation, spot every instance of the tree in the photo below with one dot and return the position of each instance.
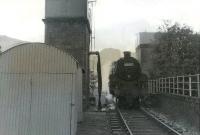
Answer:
(176, 52)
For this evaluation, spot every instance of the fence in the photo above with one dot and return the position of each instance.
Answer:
(188, 85)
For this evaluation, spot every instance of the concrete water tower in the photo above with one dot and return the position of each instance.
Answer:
(67, 27)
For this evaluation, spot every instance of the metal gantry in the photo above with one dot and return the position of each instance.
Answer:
(187, 85)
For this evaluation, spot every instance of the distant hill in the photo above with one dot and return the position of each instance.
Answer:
(8, 42)
(108, 55)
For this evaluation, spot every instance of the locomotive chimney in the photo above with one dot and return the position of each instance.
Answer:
(127, 54)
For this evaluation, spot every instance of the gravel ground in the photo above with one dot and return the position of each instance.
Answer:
(180, 125)
(94, 123)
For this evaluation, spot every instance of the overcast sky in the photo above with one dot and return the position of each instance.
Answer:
(117, 22)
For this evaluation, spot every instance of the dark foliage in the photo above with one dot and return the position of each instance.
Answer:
(177, 51)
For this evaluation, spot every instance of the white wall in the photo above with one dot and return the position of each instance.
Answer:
(40, 91)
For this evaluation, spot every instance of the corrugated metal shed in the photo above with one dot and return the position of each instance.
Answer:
(40, 91)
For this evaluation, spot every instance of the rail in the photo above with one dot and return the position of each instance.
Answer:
(188, 85)
(124, 122)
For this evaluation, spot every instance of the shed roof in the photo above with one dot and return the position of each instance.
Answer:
(37, 58)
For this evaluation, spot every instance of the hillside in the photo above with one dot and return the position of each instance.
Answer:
(108, 55)
(8, 42)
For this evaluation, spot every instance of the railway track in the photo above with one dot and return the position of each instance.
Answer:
(117, 123)
(137, 122)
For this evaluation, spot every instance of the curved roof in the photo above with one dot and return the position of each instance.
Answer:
(37, 58)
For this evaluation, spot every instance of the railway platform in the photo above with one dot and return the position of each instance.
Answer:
(94, 123)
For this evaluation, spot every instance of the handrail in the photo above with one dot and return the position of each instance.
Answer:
(186, 85)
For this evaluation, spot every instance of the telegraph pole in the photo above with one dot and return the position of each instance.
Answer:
(91, 4)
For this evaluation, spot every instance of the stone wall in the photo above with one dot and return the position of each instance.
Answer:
(181, 109)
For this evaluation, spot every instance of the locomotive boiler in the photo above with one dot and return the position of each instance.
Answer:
(125, 81)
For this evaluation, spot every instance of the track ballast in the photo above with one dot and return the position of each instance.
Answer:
(136, 122)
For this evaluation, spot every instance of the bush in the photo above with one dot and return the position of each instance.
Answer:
(177, 51)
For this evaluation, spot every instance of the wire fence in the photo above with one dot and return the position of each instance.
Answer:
(188, 85)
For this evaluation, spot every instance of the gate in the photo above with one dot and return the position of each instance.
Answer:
(40, 104)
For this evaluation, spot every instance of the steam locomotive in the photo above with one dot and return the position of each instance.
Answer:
(126, 81)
